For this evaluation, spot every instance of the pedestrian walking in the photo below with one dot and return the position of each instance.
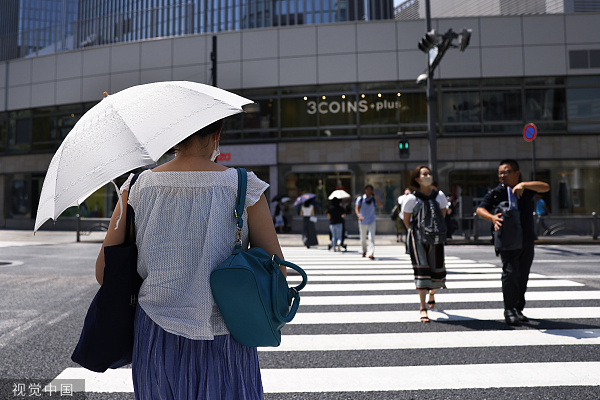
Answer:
(278, 219)
(309, 232)
(517, 257)
(365, 210)
(336, 215)
(427, 258)
(184, 229)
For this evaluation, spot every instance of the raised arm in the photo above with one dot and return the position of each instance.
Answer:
(536, 186)
(262, 231)
(113, 237)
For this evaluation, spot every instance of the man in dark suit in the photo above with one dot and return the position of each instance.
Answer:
(515, 263)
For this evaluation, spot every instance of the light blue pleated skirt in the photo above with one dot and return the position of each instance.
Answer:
(171, 367)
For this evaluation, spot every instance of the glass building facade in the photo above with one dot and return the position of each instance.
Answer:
(35, 27)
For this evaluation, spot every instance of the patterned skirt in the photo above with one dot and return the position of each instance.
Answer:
(427, 261)
(171, 367)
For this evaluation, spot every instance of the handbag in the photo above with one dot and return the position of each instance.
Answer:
(510, 234)
(106, 340)
(250, 291)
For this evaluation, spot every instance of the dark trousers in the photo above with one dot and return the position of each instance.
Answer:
(516, 265)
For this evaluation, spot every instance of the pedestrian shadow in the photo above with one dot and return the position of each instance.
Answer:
(551, 327)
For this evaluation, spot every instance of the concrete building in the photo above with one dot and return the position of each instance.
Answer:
(333, 100)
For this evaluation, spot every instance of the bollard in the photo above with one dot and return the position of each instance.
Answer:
(475, 228)
(78, 225)
(594, 227)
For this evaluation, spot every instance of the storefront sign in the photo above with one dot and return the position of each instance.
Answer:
(335, 107)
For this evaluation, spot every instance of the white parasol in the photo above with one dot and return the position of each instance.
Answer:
(127, 130)
(339, 194)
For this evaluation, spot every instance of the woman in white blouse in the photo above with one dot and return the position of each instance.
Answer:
(185, 227)
(427, 260)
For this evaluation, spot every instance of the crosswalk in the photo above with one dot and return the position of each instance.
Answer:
(358, 331)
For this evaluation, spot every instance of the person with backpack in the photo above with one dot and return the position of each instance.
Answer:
(509, 207)
(365, 210)
(424, 211)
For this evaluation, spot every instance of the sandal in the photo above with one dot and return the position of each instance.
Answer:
(431, 302)
(424, 318)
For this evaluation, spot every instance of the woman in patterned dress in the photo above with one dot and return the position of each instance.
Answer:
(427, 260)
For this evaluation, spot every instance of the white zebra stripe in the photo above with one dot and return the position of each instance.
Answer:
(466, 376)
(437, 340)
(367, 317)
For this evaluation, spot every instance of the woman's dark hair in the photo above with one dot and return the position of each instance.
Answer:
(308, 203)
(201, 133)
(414, 174)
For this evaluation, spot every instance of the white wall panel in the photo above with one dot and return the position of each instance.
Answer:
(229, 76)
(377, 66)
(548, 29)
(376, 37)
(192, 50)
(298, 41)
(545, 60)
(96, 61)
(43, 69)
(156, 75)
(260, 44)
(410, 65)
(123, 80)
(336, 38)
(260, 73)
(156, 53)
(195, 73)
(229, 47)
(19, 97)
(93, 87)
(337, 68)
(125, 57)
(502, 61)
(69, 65)
(298, 71)
(501, 31)
(460, 64)
(582, 28)
(409, 33)
(68, 91)
(19, 72)
(43, 94)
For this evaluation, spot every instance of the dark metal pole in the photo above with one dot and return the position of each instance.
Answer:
(213, 59)
(533, 158)
(431, 102)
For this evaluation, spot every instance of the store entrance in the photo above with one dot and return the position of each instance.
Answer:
(319, 183)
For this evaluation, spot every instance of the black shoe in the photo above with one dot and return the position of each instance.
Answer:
(511, 318)
(521, 317)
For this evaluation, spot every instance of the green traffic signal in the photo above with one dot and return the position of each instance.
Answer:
(403, 149)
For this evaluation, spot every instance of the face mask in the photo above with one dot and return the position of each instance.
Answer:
(426, 181)
(216, 152)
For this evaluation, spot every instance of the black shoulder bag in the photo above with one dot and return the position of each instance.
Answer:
(106, 339)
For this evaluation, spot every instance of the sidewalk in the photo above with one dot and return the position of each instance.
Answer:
(27, 238)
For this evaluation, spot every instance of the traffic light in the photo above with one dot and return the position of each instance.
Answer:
(463, 39)
(429, 41)
(403, 149)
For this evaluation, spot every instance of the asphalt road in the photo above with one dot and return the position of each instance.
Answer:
(46, 289)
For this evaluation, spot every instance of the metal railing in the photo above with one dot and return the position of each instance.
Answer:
(85, 226)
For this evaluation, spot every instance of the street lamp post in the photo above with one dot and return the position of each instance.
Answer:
(435, 46)
(431, 100)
